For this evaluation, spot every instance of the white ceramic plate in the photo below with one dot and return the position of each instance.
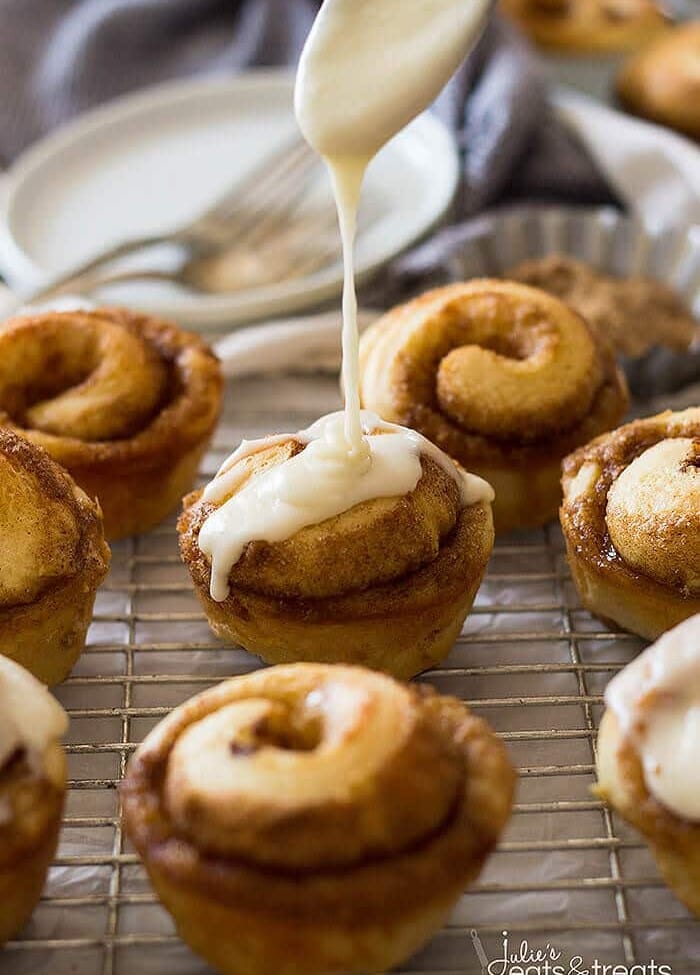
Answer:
(150, 160)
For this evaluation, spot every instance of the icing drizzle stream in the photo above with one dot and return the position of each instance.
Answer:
(367, 69)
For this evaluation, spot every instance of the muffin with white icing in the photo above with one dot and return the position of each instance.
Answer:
(299, 552)
(648, 769)
(32, 791)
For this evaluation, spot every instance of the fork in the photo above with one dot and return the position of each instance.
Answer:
(256, 209)
(307, 245)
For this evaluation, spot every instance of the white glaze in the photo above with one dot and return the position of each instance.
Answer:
(370, 66)
(314, 485)
(30, 717)
(656, 700)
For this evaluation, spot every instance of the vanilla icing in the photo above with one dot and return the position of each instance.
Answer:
(312, 486)
(656, 700)
(368, 67)
(30, 717)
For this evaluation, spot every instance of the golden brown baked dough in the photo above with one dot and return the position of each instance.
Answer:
(386, 584)
(662, 82)
(504, 378)
(53, 556)
(631, 520)
(32, 791)
(674, 842)
(315, 819)
(588, 26)
(125, 402)
(634, 314)
(28, 838)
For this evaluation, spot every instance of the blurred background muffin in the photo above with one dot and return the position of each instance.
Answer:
(583, 41)
(662, 81)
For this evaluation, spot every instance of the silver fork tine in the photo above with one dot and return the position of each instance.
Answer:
(241, 209)
(268, 170)
(301, 259)
(276, 211)
(260, 211)
(317, 246)
(315, 223)
(284, 222)
(331, 253)
(299, 161)
(194, 234)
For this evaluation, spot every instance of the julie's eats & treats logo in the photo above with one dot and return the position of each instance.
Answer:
(522, 958)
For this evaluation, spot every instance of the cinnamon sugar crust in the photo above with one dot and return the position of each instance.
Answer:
(611, 454)
(49, 523)
(516, 322)
(369, 889)
(31, 802)
(128, 409)
(634, 313)
(589, 26)
(54, 558)
(609, 586)
(32, 799)
(381, 541)
(504, 378)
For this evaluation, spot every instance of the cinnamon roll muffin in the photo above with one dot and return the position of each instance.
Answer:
(631, 520)
(647, 754)
(634, 313)
(53, 556)
(662, 82)
(125, 402)
(386, 583)
(504, 378)
(313, 819)
(588, 26)
(650, 327)
(32, 790)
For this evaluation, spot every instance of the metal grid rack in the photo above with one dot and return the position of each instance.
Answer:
(530, 660)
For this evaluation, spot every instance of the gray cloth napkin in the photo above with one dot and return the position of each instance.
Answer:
(60, 57)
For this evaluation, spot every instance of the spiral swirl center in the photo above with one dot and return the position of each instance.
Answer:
(653, 513)
(74, 376)
(313, 772)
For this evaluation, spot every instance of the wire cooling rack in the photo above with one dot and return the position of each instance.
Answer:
(568, 874)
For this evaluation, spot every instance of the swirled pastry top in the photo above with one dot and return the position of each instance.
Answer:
(296, 497)
(45, 520)
(656, 700)
(299, 771)
(662, 81)
(105, 383)
(30, 717)
(309, 770)
(634, 496)
(589, 26)
(487, 367)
